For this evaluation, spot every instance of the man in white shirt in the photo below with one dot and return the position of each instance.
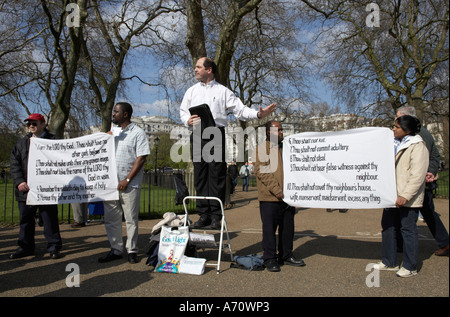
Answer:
(210, 176)
(132, 148)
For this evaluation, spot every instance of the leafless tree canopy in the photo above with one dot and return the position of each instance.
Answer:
(266, 51)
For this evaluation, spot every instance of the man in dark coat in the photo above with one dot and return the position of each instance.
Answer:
(49, 213)
(233, 174)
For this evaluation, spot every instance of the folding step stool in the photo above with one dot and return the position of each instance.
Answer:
(223, 226)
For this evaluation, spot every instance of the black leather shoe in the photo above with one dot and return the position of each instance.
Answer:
(272, 266)
(21, 253)
(215, 225)
(111, 256)
(55, 254)
(442, 252)
(293, 261)
(132, 258)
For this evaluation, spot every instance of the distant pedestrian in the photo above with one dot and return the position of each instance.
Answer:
(244, 173)
(3, 175)
(80, 214)
(233, 176)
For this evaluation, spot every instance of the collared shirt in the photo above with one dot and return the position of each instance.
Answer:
(220, 100)
(131, 143)
(398, 143)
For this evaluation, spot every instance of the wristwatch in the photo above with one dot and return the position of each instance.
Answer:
(128, 180)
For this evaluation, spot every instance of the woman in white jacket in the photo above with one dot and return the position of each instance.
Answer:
(411, 164)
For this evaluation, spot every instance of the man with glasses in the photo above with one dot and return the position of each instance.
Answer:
(49, 213)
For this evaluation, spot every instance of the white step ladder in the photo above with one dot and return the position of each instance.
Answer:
(223, 226)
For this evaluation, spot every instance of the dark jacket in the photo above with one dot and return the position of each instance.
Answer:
(232, 171)
(19, 162)
(435, 157)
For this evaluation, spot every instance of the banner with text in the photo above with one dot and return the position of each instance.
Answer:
(352, 169)
(72, 170)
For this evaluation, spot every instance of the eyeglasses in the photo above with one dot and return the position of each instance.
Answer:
(34, 124)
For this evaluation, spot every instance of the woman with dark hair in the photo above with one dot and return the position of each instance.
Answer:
(411, 164)
(409, 124)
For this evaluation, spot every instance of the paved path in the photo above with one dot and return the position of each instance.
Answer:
(336, 247)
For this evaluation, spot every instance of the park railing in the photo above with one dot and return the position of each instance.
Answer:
(157, 196)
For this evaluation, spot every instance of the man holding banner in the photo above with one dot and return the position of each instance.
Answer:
(49, 213)
(275, 213)
(132, 149)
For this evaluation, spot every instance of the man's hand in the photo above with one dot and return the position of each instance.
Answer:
(123, 184)
(279, 196)
(194, 120)
(429, 178)
(262, 113)
(23, 187)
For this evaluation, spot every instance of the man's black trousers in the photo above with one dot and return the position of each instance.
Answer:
(49, 214)
(277, 215)
(210, 173)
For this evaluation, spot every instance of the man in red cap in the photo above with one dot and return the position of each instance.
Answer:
(49, 213)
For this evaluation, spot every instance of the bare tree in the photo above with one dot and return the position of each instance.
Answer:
(66, 55)
(229, 30)
(108, 42)
(18, 32)
(398, 58)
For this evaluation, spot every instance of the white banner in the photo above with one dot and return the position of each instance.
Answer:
(72, 170)
(352, 169)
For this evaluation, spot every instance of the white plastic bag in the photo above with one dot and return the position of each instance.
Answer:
(172, 245)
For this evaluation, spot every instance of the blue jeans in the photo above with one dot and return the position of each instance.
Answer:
(245, 184)
(400, 221)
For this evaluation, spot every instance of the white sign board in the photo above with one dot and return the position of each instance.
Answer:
(353, 169)
(72, 170)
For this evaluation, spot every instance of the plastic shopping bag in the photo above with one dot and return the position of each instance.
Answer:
(172, 245)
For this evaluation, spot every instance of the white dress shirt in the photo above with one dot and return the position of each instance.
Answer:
(220, 100)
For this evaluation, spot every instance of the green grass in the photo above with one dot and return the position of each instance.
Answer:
(443, 185)
(159, 201)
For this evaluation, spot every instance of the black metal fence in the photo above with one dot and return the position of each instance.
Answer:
(157, 196)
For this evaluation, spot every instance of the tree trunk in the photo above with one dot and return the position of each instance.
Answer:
(195, 37)
(60, 108)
